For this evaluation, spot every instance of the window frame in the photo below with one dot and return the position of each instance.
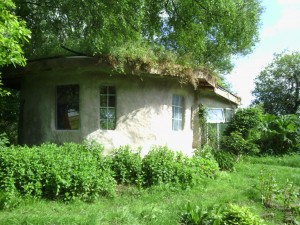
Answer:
(177, 112)
(57, 108)
(225, 115)
(108, 107)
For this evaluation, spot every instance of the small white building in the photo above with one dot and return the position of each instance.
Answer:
(77, 98)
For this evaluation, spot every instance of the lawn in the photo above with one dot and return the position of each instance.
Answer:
(163, 205)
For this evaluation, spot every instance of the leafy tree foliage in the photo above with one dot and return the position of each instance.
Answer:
(13, 34)
(277, 87)
(204, 32)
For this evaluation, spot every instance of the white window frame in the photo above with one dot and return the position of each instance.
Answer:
(107, 109)
(177, 112)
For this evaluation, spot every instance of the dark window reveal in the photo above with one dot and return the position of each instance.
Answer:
(107, 108)
(67, 107)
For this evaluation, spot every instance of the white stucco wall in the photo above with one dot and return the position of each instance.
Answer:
(144, 110)
(143, 107)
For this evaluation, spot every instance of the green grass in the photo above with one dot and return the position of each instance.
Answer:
(162, 205)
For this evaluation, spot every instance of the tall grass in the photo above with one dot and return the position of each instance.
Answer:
(292, 160)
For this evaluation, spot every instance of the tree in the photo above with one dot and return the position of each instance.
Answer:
(13, 34)
(197, 32)
(277, 87)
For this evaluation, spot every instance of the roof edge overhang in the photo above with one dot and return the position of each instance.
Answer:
(13, 76)
(226, 94)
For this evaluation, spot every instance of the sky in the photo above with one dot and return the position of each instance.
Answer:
(279, 31)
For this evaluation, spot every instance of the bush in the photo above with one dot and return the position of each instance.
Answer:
(4, 141)
(206, 152)
(223, 215)
(64, 172)
(280, 135)
(158, 166)
(236, 144)
(205, 167)
(226, 160)
(235, 214)
(243, 121)
(162, 166)
(127, 166)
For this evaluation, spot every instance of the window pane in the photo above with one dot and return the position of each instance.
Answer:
(103, 100)
(111, 90)
(103, 114)
(177, 112)
(110, 113)
(67, 107)
(107, 107)
(103, 124)
(228, 114)
(103, 90)
(215, 116)
(111, 101)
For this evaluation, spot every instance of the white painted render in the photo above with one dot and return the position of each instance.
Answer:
(143, 108)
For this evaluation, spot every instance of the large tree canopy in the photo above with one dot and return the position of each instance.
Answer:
(277, 87)
(203, 32)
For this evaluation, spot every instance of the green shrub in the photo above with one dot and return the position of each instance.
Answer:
(244, 120)
(4, 142)
(198, 215)
(64, 172)
(158, 166)
(184, 172)
(226, 160)
(127, 166)
(162, 166)
(236, 144)
(205, 151)
(205, 167)
(280, 135)
(222, 215)
(190, 171)
(235, 214)
(9, 200)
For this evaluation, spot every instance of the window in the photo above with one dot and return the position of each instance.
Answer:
(67, 107)
(215, 116)
(177, 112)
(107, 108)
(228, 114)
(219, 115)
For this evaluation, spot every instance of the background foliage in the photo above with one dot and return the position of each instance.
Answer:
(9, 115)
(279, 135)
(252, 132)
(277, 87)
